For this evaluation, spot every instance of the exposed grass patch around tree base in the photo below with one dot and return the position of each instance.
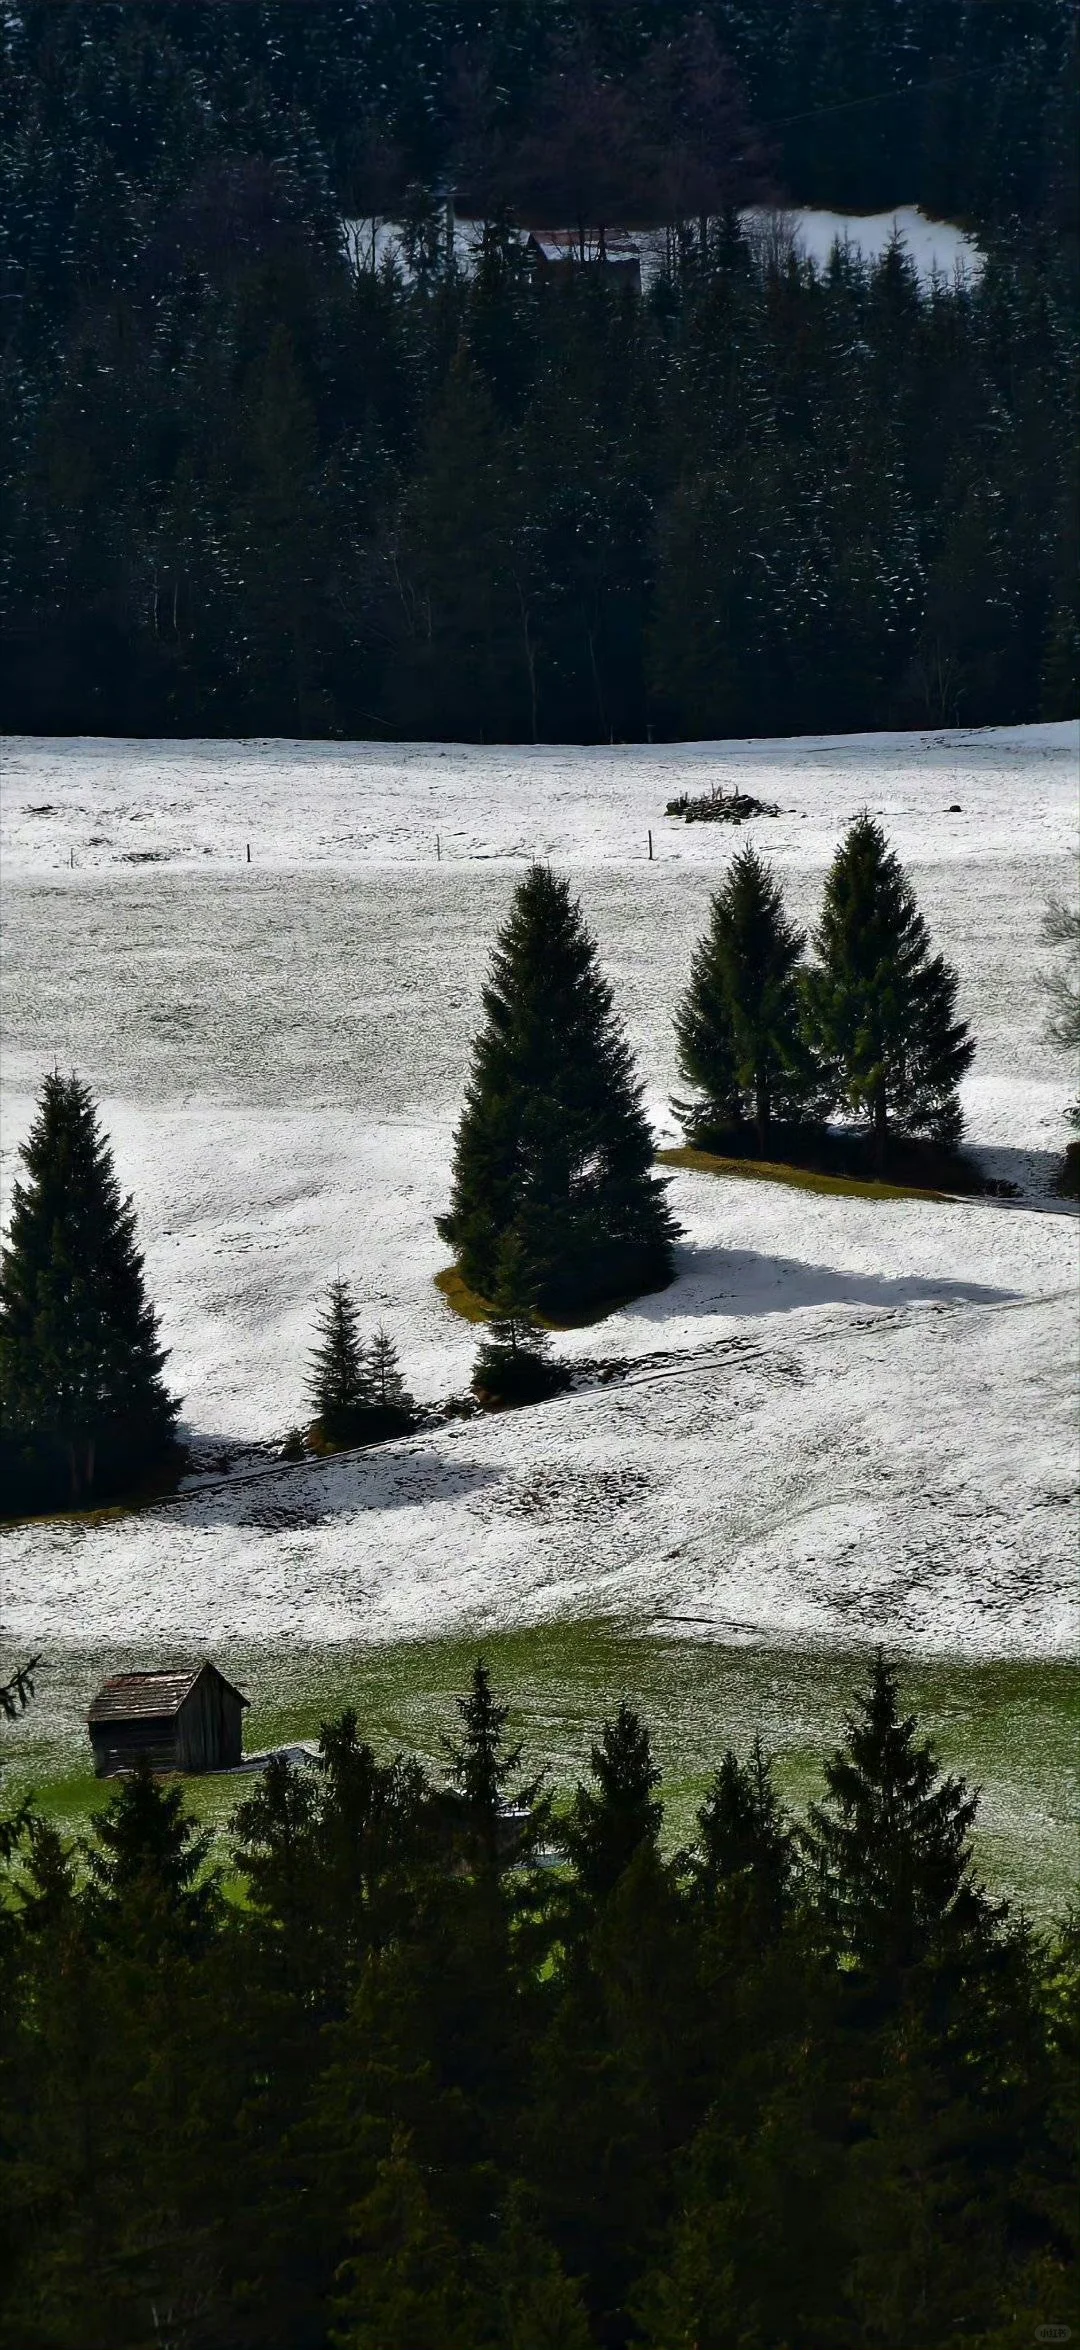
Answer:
(464, 1301)
(846, 1161)
(800, 1178)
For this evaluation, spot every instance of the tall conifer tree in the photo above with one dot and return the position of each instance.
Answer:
(553, 1140)
(82, 1398)
(882, 1008)
(891, 1842)
(739, 1025)
(339, 1384)
(481, 1768)
(744, 1833)
(613, 1819)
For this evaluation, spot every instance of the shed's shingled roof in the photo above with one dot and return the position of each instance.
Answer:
(130, 1697)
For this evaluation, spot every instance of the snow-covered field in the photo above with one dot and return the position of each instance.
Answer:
(845, 1420)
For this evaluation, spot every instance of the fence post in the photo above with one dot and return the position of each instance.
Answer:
(650, 848)
(249, 852)
(438, 850)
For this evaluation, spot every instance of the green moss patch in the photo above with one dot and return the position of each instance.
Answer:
(464, 1301)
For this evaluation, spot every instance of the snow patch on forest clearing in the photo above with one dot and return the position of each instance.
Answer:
(845, 1419)
(935, 248)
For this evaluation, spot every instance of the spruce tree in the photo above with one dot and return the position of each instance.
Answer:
(539, 2307)
(512, 1365)
(891, 1841)
(339, 1383)
(392, 1410)
(481, 1768)
(388, 1388)
(881, 1007)
(147, 1865)
(553, 1141)
(1060, 985)
(609, 1825)
(82, 1399)
(739, 1025)
(406, 2284)
(744, 1833)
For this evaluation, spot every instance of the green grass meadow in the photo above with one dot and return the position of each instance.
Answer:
(1009, 1727)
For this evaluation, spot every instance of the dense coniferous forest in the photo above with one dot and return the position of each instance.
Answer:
(406, 2089)
(249, 488)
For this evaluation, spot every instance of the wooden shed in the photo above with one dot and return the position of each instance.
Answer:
(186, 1720)
(557, 253)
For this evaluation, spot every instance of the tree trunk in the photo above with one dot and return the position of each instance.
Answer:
(762, 1117)
(881, 1123)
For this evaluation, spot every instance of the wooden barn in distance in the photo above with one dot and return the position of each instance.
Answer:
(557, 253)
(184, 1720)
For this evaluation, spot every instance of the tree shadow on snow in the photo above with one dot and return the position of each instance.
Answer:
(736, 1281)
(1033, 1172)
(291, 1496)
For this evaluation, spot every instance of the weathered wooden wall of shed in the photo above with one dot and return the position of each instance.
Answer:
(209, 1726)
(120, 1746)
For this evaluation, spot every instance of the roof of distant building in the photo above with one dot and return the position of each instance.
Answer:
(564, 244)
(129, 1697)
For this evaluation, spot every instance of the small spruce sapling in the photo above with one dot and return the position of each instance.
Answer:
(392, 1407)
(513, 1364)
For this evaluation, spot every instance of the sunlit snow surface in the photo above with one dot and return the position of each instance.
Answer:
(844, 1419)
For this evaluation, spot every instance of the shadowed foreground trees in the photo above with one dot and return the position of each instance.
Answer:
(414, 2091)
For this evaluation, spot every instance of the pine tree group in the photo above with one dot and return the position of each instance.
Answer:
(553, 1144)
(357, 1393)
(772, 1046)
(412, 2091)
(83, 1405)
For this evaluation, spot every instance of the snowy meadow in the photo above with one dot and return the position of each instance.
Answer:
(847, 1420)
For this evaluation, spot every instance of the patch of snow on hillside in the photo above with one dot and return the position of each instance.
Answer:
(936, 248)
(845, 1419)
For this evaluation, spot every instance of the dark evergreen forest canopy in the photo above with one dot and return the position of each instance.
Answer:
(800, 2087)
(247, 490)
